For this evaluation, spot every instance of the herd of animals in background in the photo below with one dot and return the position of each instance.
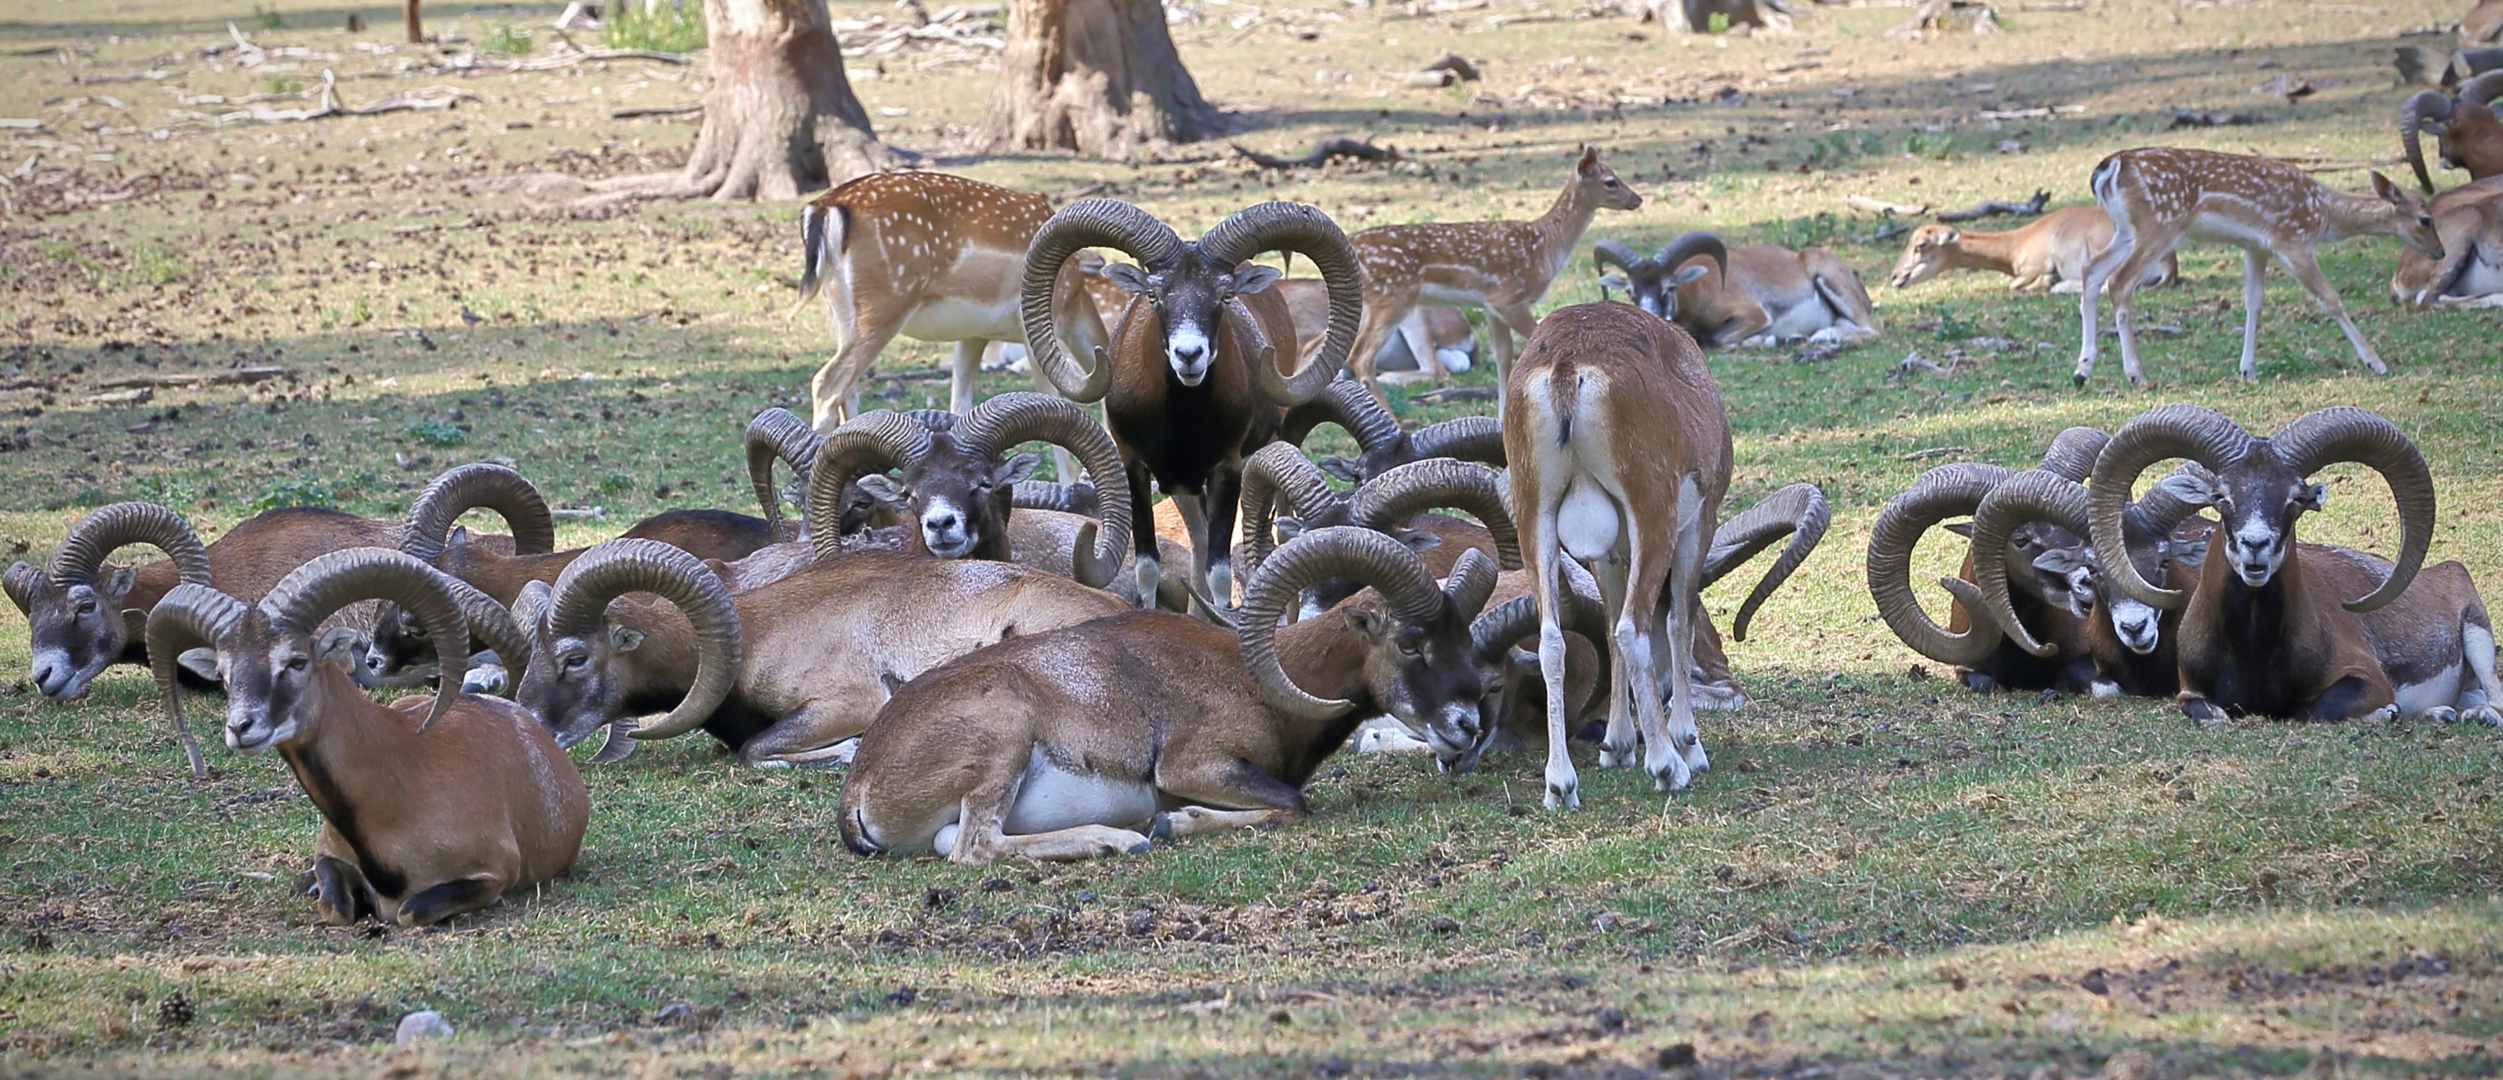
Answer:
(999, 658)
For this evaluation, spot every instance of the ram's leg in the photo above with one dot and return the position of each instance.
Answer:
(2201, 711)
(1226, 781)
(1685, 607)
(1218, 502)
(2352, 698)
(438, 902)
(2299, 263)
(1143, 531)
(1617, 747)
(340, 895)
(981, 835)
(1546, 562)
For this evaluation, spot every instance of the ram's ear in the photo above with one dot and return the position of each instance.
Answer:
(340, 641)
(1688, 273)
(2186, 552)
(2060, 562)
(1366, 622)
(1287, 528)
(1255, 278)
(200, 662)
(2311, 496)
(118, 584)
(1130, 277)
(2189, 488)
(885, 490)
(1418, 540)
(1014, 469)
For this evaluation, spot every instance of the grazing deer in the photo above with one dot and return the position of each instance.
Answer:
(2160, 196)
(1502, 266)
(1620, 455)
(932, 257)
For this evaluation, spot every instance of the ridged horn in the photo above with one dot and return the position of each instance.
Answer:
(2171, 431)
(1002, 422)
(1471, 582)
(191, 615)
(1686, 246)
(1349, 405)
(1341, 551)
(97, 535)
(1077, 498)
(1278, 468)
(1798, 512)
(20, 582)
(2423, 106)
(490, 622)
(458, 491)
(1388, 501)
(2483, 89)
(1614, 252)
(2342, 433)
(2032, 495)
(1108, 223)
(312, 592)
(1469, 438)
(872, 442)
(1302, 230)
(578, 607)
(1944, 492)
(1494, 632)
(2161, 511)
(774, 435)
(2073, 452)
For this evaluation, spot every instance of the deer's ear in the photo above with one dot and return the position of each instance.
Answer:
(1590, 159)
(2388, 191)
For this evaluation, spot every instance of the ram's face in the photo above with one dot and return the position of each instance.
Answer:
(957, 497)
(2259, 501)
(268, 672)
(1426, 677)
(75, 631)
(1189, 299)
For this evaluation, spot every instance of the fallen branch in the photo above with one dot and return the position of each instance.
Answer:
(1457, 65)
(1894, 227)
(2183, 118)
(1880, 206)
(656, 110)
(570, 59)
(2036, 113)
(1994, 207)
(1322, 151)
(1455, 393)
(210, 378)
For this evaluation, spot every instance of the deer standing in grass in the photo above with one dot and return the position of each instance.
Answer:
(2159, 196)
(933, 257)
(1502, 266)
(1620, 454)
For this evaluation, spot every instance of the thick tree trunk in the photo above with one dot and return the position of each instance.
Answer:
(780, 117)
(416, 36)
(1096, 76)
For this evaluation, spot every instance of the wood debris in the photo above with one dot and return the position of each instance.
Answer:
(1994, 207)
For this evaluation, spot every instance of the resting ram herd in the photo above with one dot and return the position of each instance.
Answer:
(1209, 549)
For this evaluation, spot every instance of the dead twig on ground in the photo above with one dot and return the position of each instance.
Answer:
(1881, 206)
(1994, 207)
(1323, 150)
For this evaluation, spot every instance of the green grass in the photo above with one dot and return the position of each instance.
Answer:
(1882, 872)
(674, 26)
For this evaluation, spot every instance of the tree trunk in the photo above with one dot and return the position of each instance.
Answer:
(1096, 76)
(780, 117)
(416, 36)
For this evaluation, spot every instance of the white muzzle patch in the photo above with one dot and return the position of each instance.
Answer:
(2256, 551)
(943, 530)
(1190, 353)
(2136, 625)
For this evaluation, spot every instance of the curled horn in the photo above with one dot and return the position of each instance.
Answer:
(312, 592)
(1469, 438)
(2032, 495)
(874, 441)
(1279, 468)
(2172, 431)
(776, 434)
(2425, 106)
(1941, 493)
(1077, 498)
(2483, 89)
(490, 622)
(1085, 223)
(1687, 246)
(579, 605)
(1388, 501)
(1612, 251)
(20, 583)
(2073, 452)
(96, 536)
(1471, 582)
(1306, 231)
(1341, 551)
(1349, 405)
(457, 491)
(2162, 511)
(1797, 511)
(999, 424)
(1494, 632)
(192, 614)
(2316, 440)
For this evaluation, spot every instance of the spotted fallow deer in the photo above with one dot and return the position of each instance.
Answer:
(1502, 266)
(1620, 455)
(932, 257)
(2160, 196)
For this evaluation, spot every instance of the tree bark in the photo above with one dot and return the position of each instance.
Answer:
(1096, 76)
(416, 36)
(779, 118)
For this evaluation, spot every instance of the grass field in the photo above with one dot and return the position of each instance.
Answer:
(1884, 875)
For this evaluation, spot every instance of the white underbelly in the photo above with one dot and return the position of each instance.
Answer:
(1446, 296)
(2479, 279)
(957, 320)
(1052, 798)
(2434, 693)
(1801, 319)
